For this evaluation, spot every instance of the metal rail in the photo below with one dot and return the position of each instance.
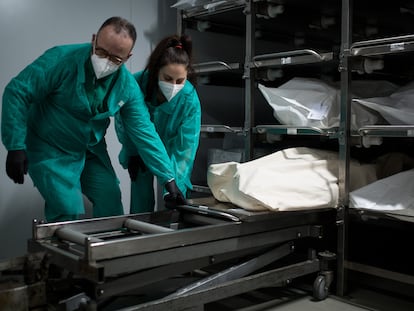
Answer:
(295, 57)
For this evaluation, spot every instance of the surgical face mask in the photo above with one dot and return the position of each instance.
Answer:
(169, 90)
(102, 66)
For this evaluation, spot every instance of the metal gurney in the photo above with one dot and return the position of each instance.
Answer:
(213, 251)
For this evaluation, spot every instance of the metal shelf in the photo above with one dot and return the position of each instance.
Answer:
(213, 7)
(374, 215)
(383, 46)
(220, 129)
(294, 130)
(387, 130)
(215, 66)
(296, 57)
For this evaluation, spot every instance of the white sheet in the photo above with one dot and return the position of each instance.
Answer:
(396, 109)
(290, 179)
(304, 102)
(393, 193)
(314, 103)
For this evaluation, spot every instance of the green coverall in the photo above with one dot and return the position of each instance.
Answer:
(178, 124)
(54, 111)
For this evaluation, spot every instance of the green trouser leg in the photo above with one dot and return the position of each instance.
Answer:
(63, 200)
(51, 217)
(56, 174)
(142, 193)
(101, 187)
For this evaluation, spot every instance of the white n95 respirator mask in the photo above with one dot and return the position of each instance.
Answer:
(169, 90)
(102, 66)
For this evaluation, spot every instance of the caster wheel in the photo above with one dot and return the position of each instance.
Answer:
(320, 289)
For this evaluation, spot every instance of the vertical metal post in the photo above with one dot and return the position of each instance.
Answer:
(180, 29)
(34, 229)
(248, 77)
(344, 144)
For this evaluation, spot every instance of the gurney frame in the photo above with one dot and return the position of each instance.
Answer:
(225, 253)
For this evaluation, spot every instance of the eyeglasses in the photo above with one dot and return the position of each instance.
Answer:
(102, 53)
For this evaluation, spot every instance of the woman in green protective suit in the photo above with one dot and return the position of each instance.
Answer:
(175, 109)
(55, 114)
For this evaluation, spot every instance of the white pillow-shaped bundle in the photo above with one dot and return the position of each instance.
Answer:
(290, 179)
(393, 193)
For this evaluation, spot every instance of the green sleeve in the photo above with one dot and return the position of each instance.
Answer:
(28, 87)
(185, 144)
(139, 134)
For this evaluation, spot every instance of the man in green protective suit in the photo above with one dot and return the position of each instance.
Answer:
(55, 115)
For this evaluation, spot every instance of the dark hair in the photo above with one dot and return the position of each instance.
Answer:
(173, 49)
(119, 25)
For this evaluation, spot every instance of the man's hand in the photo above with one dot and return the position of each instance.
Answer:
(16, 165)
(135, 164)
(174, 197)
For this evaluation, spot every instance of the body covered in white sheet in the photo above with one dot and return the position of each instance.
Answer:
(310, 102)
(290, 179)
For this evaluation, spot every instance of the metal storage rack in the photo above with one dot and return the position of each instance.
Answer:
(258, 60)
(254, 18)
(345, 38)
(393, 39)
(227, 72)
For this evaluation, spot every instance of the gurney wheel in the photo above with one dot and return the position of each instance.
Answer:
(320, 288)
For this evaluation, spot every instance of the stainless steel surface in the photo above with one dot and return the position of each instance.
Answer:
(118, 253)
(249, 81)
(215, 66)
(297, 57)
(218, 128)
(296, 130)
(383, 46)
(344, 144)
(112, 256)
(239, 270)
(265, 279)
(145, 227)
(214, 8)
(74, 236)
(387, 130)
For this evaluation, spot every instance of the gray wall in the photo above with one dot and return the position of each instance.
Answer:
(27, 29)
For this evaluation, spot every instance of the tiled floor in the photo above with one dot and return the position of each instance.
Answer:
(294, 299)
(261, 301)
(377, 300)
(307, 304)
(358, 300)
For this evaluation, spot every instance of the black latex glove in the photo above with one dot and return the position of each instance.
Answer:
(174, 196)
(16, 165)
(135, 164)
